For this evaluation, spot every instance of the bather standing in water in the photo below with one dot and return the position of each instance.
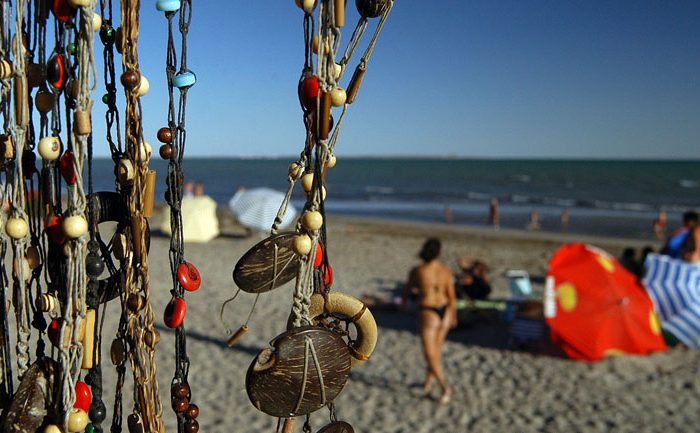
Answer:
(434, 282)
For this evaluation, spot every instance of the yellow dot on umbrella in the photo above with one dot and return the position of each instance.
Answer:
(654, 323)
(606, 263)
(566, 293)
(614, 352)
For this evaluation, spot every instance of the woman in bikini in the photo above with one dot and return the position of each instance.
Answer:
(434, 282)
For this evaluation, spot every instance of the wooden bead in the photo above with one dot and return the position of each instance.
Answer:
(7, 144)
(339, 12)
(5, 69)
(135, 302)
(165, 135)
(338, 97)
(81, 122)
(180, 390)
(295, 170)
(331, 161)
(130, 79)
(143, 87)
(192, 411)
(88, 340)
(32, 257)
(191, 426)
(49, 148)
(117, 351)
(188, 277)
(83, 396)
(135, 424)
(307, 181)
(125, 171)
(44, 101)
(144, 152)
(77, 420)
(75, 226)
(16, 228)
(52, 428)
(166, 151)
(151, 337)
(180, 405)
(119, 39)
(302, 244)
(46, 302)
(175, 313)
(312, 220)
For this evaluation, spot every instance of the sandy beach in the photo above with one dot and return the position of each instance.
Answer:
(496, 389)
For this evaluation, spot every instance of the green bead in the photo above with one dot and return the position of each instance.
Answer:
(90, 428)
(105, 98)
(72, 48)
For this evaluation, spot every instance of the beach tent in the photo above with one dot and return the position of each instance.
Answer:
(199, 221)
(674, 287)
(596, 308)
(257, 208)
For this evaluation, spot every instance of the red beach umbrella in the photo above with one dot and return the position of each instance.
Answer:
(596, 308)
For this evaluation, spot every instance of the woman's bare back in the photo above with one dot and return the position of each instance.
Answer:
(435, 283)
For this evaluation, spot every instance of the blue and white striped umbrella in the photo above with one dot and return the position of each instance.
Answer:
(674, 288)
(257, 208)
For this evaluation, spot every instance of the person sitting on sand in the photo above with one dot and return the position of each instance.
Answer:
(473, 281)
(437, 311)
(677, 238)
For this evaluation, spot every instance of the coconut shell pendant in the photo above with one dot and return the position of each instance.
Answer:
(303, 370)
(29, 404)
(371, 8)
(268, 265)
(337, 427)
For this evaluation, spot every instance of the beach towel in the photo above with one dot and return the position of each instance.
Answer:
(674, 288)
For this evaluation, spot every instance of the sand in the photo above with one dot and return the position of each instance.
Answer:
(496, 389)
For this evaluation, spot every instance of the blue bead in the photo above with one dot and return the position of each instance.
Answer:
(168, 5)
(186, 79)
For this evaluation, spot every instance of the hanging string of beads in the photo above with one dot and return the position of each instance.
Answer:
(185, 276)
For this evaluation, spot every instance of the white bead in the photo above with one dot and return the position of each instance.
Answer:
(77, 420)
(331, 161)
(295, 170)
(312, 220)
(143, 86)
(302, 244)
(337, 70)
(338, 97)
(307, 181)
(145, 151)
(16, 228)
(307, 5)
(50, 148)
(75, 226)
(78, 3)
(52, 428)
(96, 22)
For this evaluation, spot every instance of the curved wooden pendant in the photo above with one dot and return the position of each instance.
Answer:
(303, 370)
(337, 427)
(30, 405)
(267, 265)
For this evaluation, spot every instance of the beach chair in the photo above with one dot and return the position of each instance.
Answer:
(520, 285)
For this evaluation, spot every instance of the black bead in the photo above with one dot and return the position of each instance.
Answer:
(94, 265)
(98, 412)
(107, 33)
(28, 163)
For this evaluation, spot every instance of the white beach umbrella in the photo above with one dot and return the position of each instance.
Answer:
(257, 208)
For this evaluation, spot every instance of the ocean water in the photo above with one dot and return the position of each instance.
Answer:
(620, 198)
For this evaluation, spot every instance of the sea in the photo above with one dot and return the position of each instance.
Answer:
(610, 198)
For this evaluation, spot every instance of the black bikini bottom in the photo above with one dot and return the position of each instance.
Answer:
(439, 310)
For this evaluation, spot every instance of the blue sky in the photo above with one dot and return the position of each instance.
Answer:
(561, 79)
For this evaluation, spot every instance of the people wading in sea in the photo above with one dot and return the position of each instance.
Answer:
(434, 282)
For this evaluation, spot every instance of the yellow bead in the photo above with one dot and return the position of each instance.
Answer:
(307, 181)
(78, 3)
(49, 148)
(295, 170)
(16, 228)
(307, 5)
(52, 428)
(302, 244)
(314, 44)
(331, 161)
(323, 192)
(312, 220)
(75, 226)
(5, 69)
(77, 420)
(143, 86)
(338, 97)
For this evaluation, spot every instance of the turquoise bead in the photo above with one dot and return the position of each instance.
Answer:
(185, 79)
(90, 428)
(168, 5)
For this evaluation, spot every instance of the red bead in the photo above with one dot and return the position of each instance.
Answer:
(130, 79)
(175, 313)
(54, 331)
(180, 390)
(188, 277)
(66, 165)
(54, 228)
(83, 396)
(57, 71)
(191, 426)
(62, 10)
(327, 274)
(309, 91)
(319, 255)
(180, 405)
